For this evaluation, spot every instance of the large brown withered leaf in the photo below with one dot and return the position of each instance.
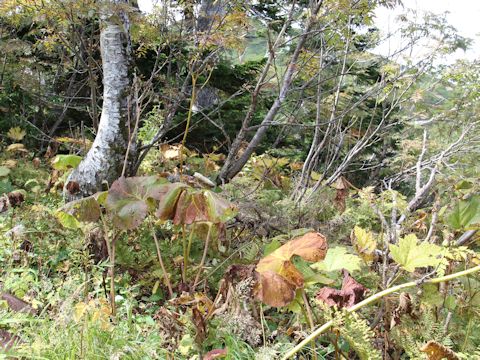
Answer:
(437, 351)
(216, 354)
(7, 340)
(274, 289)
(200, 325)
(168, 199)
(185, 205)
(278, 278)
(16, 304)
(311, 247)
(351, 293)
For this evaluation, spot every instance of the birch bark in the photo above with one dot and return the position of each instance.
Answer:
(104, 160)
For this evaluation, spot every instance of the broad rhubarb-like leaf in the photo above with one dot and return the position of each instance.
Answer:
(130, 199)
(278, 278)
(79, 211)
(185, 205)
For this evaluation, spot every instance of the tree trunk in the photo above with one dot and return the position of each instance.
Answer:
(104, 161)
(235, 162)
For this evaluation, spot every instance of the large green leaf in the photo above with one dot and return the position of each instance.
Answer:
(66, 162)
(411, 255)
(67, 220)
(337, 259)
(465, 214)
(85, 210)
(4, 171)
(130, 199)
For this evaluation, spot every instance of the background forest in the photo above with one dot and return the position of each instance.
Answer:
(236, 180)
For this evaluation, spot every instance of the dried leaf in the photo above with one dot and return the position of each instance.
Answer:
(404, 307)
(16, 133)
(11, 199)
(36, 162)
(16, 148)
(437, 351)
(278, 278)
(216, 354)
(200, 325)
(10, 163)
(351, 293)
(16, 304)
(340, 200)
(8, 340)
(273, 289)
(72, 187)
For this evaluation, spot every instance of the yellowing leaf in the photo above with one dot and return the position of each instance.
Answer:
(364, 243)
(10, 163)
(337, 259)
(80, 142)
(315, 175)
(79, 311)
(66, 162)
(82, 210)
(411, 255)
(16, 133)
(95, 311)
(16, 148)
(67, 220)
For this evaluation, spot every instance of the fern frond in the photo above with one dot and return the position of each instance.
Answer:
(358, 334)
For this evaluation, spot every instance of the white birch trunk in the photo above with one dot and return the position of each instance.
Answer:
(104, 161)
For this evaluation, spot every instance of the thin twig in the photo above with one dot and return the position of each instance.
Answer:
(160, 260)
(204, 256)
